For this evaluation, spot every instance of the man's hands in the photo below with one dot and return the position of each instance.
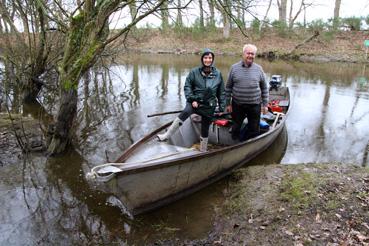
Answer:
(195, 104)
(264, 109)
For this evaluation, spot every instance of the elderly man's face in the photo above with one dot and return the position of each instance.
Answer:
(249, 56)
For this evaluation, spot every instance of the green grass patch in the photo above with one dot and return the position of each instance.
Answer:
(332, 203)
(299, 191)
(328, 36)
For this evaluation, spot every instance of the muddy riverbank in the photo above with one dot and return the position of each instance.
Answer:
(344, 46)
(307, 204)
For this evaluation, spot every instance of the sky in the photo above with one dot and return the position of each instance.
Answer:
(322, 9)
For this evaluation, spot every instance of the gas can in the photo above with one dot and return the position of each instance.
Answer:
(274, 106)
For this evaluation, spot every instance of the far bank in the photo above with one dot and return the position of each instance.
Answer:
(343, 46)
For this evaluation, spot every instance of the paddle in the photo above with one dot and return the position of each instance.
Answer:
(164, 113)
(178, 111)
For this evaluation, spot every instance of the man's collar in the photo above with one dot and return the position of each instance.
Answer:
(245, 65)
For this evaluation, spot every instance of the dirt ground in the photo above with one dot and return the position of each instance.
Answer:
(16, 131)
(305, 204)
(345, 46)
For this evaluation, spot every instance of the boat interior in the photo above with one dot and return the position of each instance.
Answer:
(185, 141)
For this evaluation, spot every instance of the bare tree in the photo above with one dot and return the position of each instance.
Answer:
(211, 21)
(87, 36)
(84, 26)
(265, 16)
(179, 20)
(133, 10)
(336, 13)
(282, 10)
(201, 8)
(164, 14)
(292, 17)
(28, 48)
(225, 9)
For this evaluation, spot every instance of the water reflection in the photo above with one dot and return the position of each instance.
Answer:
(47, 200)
(328, 108)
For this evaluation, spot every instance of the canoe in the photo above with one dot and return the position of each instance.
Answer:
(150, 174)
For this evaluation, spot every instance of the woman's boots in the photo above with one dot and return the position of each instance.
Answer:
(203, 144)
(173, 127)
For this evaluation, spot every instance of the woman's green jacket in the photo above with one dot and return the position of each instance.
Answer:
(207, 90)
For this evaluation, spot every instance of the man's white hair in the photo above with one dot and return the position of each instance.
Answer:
(246, 46)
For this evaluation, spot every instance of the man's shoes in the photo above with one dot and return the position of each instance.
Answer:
(235, 134)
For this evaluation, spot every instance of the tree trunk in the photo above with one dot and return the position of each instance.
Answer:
(31, 89)
(316, 34)
(336, 14)
(292, 19)
(179, 21)
(29, 49)
(227, 26)
(83, 45)
(265, 16)
(62, 131)
(165, 16)
(133, 11)
(202, 26)
(282, 10)
(241, 13)
(211, 22)
(225, 9)
(87, 35)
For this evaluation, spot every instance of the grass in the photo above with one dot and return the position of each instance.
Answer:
(332, 203)
(299, 191)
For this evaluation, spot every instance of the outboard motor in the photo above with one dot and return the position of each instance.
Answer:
(275, 82)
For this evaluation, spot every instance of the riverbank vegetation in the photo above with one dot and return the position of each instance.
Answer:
(297, 205)
(305, 204)
(303, 45)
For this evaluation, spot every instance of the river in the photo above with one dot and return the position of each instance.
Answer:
(48, 201)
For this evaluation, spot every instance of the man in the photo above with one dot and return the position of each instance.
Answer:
(246, 93)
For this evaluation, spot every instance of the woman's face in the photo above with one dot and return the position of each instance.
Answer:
(207, 60)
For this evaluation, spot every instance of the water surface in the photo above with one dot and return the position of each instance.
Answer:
(47, 201)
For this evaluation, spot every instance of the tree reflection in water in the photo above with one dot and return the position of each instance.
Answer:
(48, 200)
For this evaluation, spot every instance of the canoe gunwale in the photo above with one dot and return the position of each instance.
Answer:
(209, 180)
(181, 160)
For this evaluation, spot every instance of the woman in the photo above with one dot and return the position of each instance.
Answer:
(204, 89)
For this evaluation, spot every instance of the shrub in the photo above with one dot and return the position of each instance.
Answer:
(255, 25)
(353, 23)
(281, 27)
(317, 25)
